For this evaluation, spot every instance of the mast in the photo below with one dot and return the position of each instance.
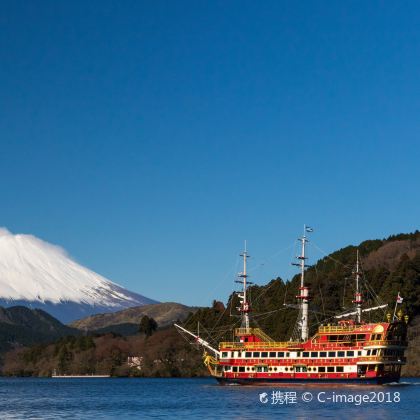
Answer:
(358, 295)
(358, 300)
(245, 307)
(304, 290)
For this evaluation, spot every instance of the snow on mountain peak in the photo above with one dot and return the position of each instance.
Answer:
(37, 271)
(4, 231)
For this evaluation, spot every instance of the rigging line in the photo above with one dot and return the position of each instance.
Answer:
(316, 316)
(263, 292)
(230, 328)
(229, 273)
(320, 291)
(184, 336)
(285, 294)
(322, 299)
(293, 255)
(219, 319)
(376, 298)
(263, 261)
(221, 331)
(329, 257)
(209, 337)
(369, 287)
(344, 291)
(230, 305)
(270, 312)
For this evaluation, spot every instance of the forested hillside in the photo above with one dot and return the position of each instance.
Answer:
(390, 266)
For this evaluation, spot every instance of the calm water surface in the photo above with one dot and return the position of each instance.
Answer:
(23, 398)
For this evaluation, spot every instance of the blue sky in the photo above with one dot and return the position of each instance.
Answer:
(150, 139)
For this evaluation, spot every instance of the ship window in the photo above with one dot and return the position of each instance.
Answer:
(360, 337)
(321, 369)
(314, 354)
(247, 368)
(298, 354)
(339, 369)
(306, 354)
(286, 369)
(331, 354)
(272, 354)
(248, 354)
(264, 354)
(280, 354)
(341, 354)
(287, 354)
(330, 368)
(374, 351)
(350, 353)
(256, 354)
(235, 368)
(275, 369)
(224, 354)
(322, 354)
(241, 368)
(368, 353)
(359, 353)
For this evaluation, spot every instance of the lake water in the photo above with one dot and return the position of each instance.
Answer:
(32, 398)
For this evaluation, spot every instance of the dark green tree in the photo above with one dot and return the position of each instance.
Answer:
(147, 326)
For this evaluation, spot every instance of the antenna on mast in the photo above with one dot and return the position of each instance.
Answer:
(358, 295)
(245, 307)
(303, 290)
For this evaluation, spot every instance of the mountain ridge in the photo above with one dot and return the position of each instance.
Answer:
(165, 314)
(21, 326)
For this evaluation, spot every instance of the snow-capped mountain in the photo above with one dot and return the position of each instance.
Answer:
(38, 274)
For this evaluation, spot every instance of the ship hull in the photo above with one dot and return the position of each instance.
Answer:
(318, 381)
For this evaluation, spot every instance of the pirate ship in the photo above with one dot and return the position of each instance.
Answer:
(349, 350)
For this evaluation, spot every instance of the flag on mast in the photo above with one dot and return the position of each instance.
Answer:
(309, 229)
(399, 298)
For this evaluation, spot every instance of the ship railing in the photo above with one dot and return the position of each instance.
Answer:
(385, 343)
(382, 359)
(259, 345)
(337, 328)
(286, 361)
